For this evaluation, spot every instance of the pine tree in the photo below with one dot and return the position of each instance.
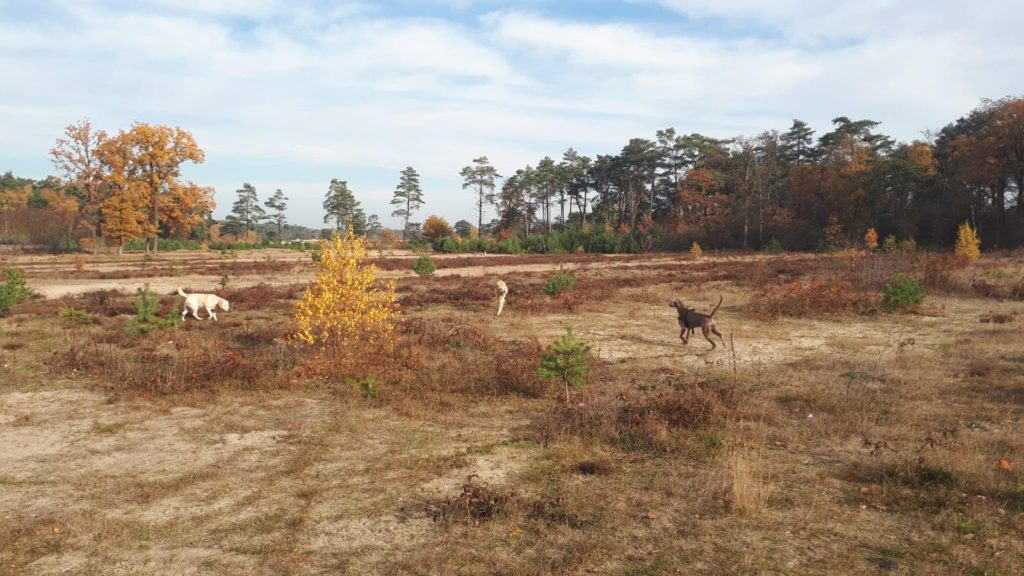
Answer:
(798, 143)
(342, 207)
(408, 198)
(246, 212)
(480, 177)
(278, 203)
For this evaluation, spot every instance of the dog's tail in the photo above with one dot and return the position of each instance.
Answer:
(182, 293)
(716, 307)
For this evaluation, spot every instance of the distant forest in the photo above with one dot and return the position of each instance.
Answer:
(775, 188)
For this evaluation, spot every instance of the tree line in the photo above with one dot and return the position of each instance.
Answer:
(778, 188)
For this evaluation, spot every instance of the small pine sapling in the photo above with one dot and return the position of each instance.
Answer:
(424, 266)
(13, 291)
(147, 317)
(567, 360)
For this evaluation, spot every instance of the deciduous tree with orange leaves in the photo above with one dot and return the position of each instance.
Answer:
(77, 155)
(147, 159)
(435, 228)
(124, 216)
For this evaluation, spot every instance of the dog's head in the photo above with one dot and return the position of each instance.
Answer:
(679, 305)
(223, 305)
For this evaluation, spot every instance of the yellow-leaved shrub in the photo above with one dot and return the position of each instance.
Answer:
(345, 306)
(968, 244)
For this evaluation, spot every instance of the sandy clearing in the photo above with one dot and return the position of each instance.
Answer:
(212, 481)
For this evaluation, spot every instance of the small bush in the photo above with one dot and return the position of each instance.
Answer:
(14, 291)
(901, 292)
(814, 297)
(890, 245)
(695, 251)
(369, 388)
(477, 503)
(871, 240)
(834, 234)
(424, 266)
(69, 316)
(773, 246)
(346, 306)
(936, 271)
(559, 283)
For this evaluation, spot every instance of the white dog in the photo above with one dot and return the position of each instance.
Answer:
(502, 291)
(208, 301)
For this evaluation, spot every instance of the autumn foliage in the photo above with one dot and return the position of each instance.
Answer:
(345, 306)
(871, 240)
(968, 244)
(121, 187)
(435, 228)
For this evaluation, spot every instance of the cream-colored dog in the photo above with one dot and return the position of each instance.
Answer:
(501, 289)
(208, 301)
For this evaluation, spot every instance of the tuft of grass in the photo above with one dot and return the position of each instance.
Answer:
(749, 489)
(965, 526)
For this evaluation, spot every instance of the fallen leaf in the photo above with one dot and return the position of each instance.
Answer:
(1004, 464)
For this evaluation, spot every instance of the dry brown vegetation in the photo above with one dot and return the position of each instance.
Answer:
(828, 438)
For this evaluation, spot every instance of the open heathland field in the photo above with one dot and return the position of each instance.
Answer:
(827, 436)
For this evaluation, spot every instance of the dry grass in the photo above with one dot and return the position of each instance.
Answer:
(837, 443)
(749, 486)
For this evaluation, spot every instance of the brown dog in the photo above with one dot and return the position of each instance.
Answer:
(690, 320)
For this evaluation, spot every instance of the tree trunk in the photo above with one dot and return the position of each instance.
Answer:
(561, 209)
(746, 220)
(583, 212)
(547, 215)
(156, 220)
(480, 212)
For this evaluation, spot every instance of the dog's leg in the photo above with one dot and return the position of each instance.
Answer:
(715, 330)
(211, 313)
(704, 329)
(682, 335)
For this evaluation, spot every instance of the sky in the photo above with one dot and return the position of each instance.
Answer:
(292, 93)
